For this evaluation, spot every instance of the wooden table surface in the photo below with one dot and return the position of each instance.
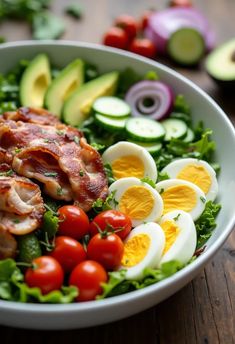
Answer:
(203, 311)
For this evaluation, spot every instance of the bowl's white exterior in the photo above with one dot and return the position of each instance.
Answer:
(77, 315)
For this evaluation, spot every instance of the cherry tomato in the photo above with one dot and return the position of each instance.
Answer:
(111, 220)
(128, 24)
(74, 222)
(145, 19)
(143, 46)
(180, 3)
(46, 274)
(107, 250)
(116, 37)
(88, 276)
(68, 252)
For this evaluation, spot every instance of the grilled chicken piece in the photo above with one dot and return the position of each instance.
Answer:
(21, 205)
(8, 245)
(56, 155)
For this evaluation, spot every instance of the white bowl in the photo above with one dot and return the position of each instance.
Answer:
(77, 315)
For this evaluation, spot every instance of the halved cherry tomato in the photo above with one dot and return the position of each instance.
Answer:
(68, 252)
(46, 274)
(116, 37)
(111, 221)
(106, 249)
(73, 222)
(143, 46)
(128, 24)
(88, 276)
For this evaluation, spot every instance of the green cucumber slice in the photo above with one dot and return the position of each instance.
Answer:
(144, 129)
(111, 107)
(153, 148)
(190, 136)
(175, 128)
(110, 124)
(186, 46)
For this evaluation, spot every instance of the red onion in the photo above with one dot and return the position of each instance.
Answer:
(153, 99)
(162, 24)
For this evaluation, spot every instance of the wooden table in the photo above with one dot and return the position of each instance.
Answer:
(203, 311)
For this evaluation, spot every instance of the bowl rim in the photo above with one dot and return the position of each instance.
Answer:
(178, 276)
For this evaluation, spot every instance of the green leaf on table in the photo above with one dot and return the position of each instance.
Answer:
(47, 26)
(74, 10)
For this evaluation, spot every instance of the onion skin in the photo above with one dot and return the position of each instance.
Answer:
(156, 90)
(162, 24)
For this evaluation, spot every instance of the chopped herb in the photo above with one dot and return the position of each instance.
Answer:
(18, 150)
(74, 10)
(109, 203)
(148, 181)
(81, 173)
(50, 174)
(16, 221)
(7, 173)
(76, 139)
(60, 132)
(59, 191)
(203, 199)
(97, 146)
(176, 218)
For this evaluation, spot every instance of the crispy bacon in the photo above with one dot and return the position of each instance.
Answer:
(32, 115)
(56, 155)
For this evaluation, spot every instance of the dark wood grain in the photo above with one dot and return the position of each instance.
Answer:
(204, 311)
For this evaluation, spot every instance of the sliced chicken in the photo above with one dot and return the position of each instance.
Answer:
(8, 245)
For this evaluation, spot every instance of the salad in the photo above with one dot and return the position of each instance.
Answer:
(107, 184)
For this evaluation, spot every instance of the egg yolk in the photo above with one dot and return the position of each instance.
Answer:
(137, 202)
(197, 175)
(135, 249)
(128, 166)
(179, 197)
(171, 232)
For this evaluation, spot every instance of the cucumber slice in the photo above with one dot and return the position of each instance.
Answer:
(111, 107)
(110, 124)
(153, 148)
(175, 128)
(144, 129)
(190, 136)
(186, 46)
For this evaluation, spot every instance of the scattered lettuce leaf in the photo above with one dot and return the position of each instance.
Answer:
(206, 222)
(47, 26)
(109, 173)
(148, 181)
(107, 204)
(162, 176)
(74, 10)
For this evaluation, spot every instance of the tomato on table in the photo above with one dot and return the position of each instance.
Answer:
(128, 24)
(87, 277)
(145, 19)
(68, 252)
(46, 274)
(111, 221)
(107, 249)
(73, 222)
(144, 47)
(116, 37)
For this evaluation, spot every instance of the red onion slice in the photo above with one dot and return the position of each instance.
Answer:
(152, 99)
(162, 24)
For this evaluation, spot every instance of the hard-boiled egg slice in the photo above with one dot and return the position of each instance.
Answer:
(130, 160)
(142, 248)
(140, 201)
(180, 194)
(195, 171)
(180, 235)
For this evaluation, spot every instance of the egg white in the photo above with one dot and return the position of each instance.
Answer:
(174, 168)
(154, 253)
(121, 185)
(200, 196)
(185, 244)
(123, 148)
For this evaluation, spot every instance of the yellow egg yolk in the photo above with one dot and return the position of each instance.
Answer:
(135, 249)
(137, 202)
(171, 232)
(197, 175)
(128, 166)
(179, 197)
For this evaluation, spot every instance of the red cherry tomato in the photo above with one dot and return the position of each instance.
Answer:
(46, 274)
(88, 276)
(108, 250)
(116, 37)
(74, 222)
(143, 46)
(128, 24)
(111, 220)
(68, 252)
(145, 19)
(180, 3)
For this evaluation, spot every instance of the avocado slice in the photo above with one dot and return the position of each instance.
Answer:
(220, 63)
(77, 107)
(35, 81)
(68, 80)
